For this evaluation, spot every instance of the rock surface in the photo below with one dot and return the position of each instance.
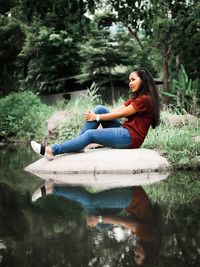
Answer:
(54, 121)
(187, 119)
(104, 168)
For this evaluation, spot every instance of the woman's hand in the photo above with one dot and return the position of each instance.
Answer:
(92, 220)
(89, 116)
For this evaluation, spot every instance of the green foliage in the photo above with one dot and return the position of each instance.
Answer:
(177, 144)
(97, 41)
(100, 53)
(74, 122)
(92, 97)
(41, 43)
(53, 33)
(22, 116)
(109, 54)
(11, 37)
(6, 5)
(105, 19)
(185, 92)
(186, 38)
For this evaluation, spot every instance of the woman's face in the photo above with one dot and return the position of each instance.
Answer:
(134, 82)
(139, 254)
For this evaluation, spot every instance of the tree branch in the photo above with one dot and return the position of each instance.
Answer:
(136, 37)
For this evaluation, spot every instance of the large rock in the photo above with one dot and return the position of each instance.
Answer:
(54, 121)
(104, 168)
(179, 120)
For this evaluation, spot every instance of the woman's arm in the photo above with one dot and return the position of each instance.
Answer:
(118, 109)
(123, 112)
(125, 222)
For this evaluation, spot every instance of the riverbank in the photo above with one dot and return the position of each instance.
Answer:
(179, 143)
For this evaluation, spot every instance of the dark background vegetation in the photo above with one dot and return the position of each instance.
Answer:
(54, 46)
(49, 46)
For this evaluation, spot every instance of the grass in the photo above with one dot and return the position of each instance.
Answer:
(175, 143)
(27, 120)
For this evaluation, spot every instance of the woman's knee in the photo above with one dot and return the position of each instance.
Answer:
(100, 109)
(89, 135)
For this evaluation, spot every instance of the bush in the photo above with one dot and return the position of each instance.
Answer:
(22, 116)
(184, 92)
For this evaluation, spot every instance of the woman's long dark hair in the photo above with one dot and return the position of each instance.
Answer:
(152, 248)
(148, 87)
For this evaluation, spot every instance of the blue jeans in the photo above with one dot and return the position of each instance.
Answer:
(119, 198)
(113, 134)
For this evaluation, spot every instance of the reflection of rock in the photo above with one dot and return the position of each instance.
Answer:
(54, 122)
(104, 167)
(187, 119)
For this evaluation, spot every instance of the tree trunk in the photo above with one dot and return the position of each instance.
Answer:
(177, 66)
(166, 71)
(111, 84)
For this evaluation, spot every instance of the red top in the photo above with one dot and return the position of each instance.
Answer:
(138, 124)
(141, 207)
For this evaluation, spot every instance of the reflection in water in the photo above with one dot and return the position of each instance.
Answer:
(57, 227)
(140, 217)
(12, 220)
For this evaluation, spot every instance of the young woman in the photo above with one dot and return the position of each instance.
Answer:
(140, 112)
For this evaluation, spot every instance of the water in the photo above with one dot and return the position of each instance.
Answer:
(59, 231)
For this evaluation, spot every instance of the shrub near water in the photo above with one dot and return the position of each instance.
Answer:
(22, 116)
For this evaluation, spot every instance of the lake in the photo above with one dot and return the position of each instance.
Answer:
(157, 225)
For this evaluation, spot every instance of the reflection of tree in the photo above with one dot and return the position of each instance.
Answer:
(28, 233)
(182, 239)
(12, 161)
(105, 250)
(12, 220)
(54, 233)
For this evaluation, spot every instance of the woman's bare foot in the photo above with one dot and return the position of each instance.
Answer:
(42, 150)
(49, 186)
(48, 153)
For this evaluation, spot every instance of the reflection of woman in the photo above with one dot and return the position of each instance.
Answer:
(144, 219)
(143, 223)
(141, 111)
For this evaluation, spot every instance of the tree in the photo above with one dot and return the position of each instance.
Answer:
(54, 31)
(51, 53)
(186, 39)
(109, 53)
(162, 23)
(12, 37)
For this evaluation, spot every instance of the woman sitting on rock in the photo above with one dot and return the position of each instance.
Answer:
(140, 112)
